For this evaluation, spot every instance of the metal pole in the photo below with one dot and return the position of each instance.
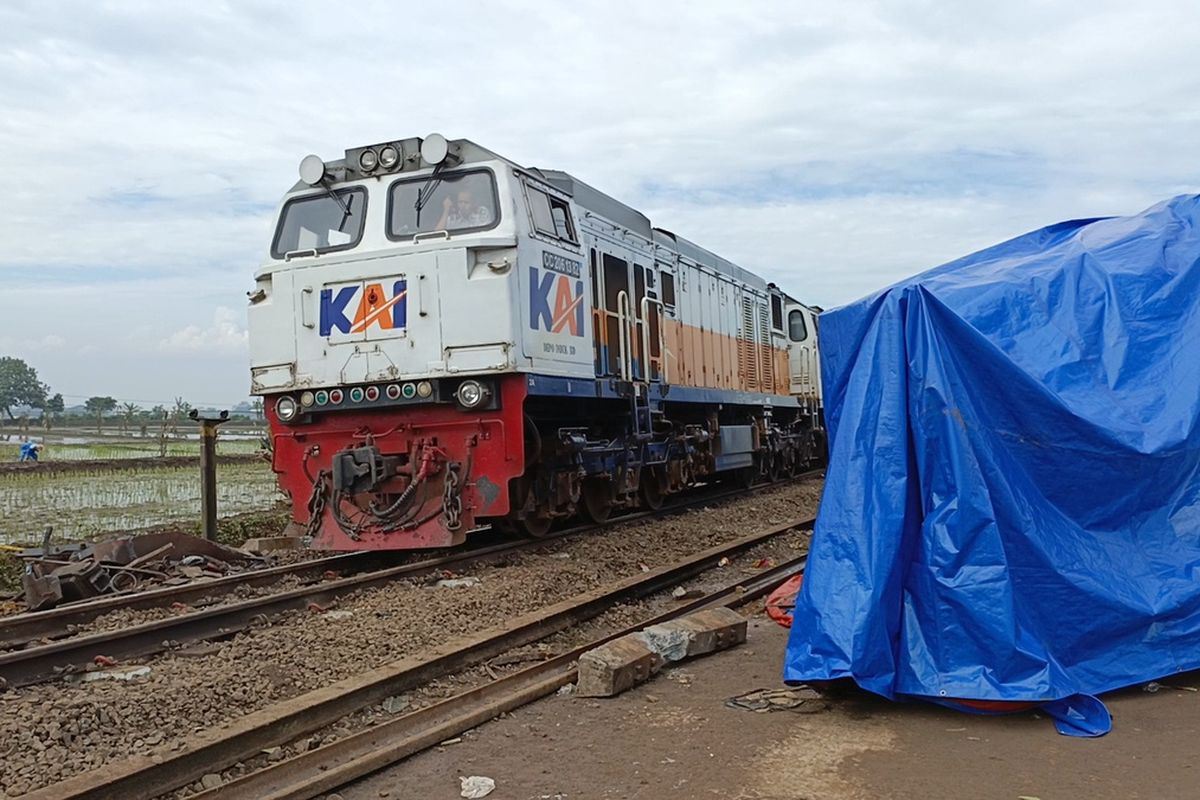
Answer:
(208, 468)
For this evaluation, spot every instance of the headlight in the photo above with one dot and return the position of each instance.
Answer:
(424, 389)
(471, 394)
(286, 409)
(368, 160)
(388, 156)
(307, 399)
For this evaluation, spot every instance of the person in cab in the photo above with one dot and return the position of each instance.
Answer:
(463, 212)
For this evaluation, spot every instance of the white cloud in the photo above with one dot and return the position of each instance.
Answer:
(833, 148)
(32, 344)
(226, 334)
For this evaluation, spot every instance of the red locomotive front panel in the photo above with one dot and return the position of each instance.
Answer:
(369, 475)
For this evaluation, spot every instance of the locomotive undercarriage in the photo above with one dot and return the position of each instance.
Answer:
(618, 464)
(426, 476)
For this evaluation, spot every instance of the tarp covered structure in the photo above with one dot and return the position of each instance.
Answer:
(1012, 507)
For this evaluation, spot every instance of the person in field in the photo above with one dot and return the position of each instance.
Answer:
(30, 451)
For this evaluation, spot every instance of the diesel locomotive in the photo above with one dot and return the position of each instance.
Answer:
(443, 338)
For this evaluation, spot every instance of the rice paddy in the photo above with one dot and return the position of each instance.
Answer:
(85, 503)
(82, 448)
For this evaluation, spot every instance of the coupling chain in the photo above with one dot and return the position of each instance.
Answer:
(452, 498)
(316, 505)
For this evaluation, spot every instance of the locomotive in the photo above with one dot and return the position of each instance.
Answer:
(443, 338)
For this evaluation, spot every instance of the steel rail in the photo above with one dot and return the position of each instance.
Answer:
(20, 629)
(343, 761)
(56, 658)
(240, 739)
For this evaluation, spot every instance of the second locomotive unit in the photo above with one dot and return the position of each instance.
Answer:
(444, 338)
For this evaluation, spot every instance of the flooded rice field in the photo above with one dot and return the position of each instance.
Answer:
(68, 447)
(81, 505)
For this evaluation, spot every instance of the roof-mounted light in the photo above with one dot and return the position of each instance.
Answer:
(434, 149)
(312, 170)
(389, 156)
(368, 159)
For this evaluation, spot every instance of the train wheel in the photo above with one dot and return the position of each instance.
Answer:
(597, 499)
(535, 527)
(775, 467)
(799, 463)
(651, 487)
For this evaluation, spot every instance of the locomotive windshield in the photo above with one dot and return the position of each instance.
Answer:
(321, 222)
(456, 202)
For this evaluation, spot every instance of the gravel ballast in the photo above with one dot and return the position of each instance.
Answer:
(53, 731)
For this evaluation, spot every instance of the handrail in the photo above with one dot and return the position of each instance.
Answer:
(623, 335)
(662, 361)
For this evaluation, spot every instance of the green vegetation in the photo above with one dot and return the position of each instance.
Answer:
(19, 386)
(82, 505)
(70, 448)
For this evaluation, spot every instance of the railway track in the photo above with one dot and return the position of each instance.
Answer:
(20, 629)
(343, 761)
(67, 652)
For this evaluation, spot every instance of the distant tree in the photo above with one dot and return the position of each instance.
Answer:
(19, 386)
(257, 405)
(128, 411)
(54, 406)
(100, 406)
(182, 407)
(162, 415)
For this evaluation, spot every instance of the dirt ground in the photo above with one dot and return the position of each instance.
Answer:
(675, 737)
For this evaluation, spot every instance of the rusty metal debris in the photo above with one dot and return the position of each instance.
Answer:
(64, 574)
(803, 699)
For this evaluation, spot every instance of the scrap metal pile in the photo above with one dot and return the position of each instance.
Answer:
(68, 573)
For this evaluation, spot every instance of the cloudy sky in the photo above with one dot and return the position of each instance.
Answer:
(833, 148)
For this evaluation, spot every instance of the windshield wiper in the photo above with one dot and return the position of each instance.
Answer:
(345, 210)
(427, 189)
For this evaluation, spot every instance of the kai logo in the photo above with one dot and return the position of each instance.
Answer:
(556, 296)
(358, 307)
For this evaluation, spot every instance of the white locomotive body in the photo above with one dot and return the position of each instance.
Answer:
(445, 337)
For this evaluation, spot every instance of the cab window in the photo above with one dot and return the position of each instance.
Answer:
(321, 223)
(457, 202)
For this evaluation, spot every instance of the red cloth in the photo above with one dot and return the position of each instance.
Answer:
(781, 601)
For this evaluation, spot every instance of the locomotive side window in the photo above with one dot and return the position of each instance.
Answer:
(797, 329)
(668, 289)
(539, 209)
(562, 219)
(455, 202)
(551, 215)
(320, 222)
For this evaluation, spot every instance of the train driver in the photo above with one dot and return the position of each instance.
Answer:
(463, 212)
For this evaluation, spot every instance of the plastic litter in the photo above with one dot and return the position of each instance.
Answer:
(476, 786)
(458, 583)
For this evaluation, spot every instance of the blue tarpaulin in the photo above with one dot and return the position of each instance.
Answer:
(1012, 505)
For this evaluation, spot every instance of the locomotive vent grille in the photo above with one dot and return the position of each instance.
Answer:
(765, 356)
(747, 361)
